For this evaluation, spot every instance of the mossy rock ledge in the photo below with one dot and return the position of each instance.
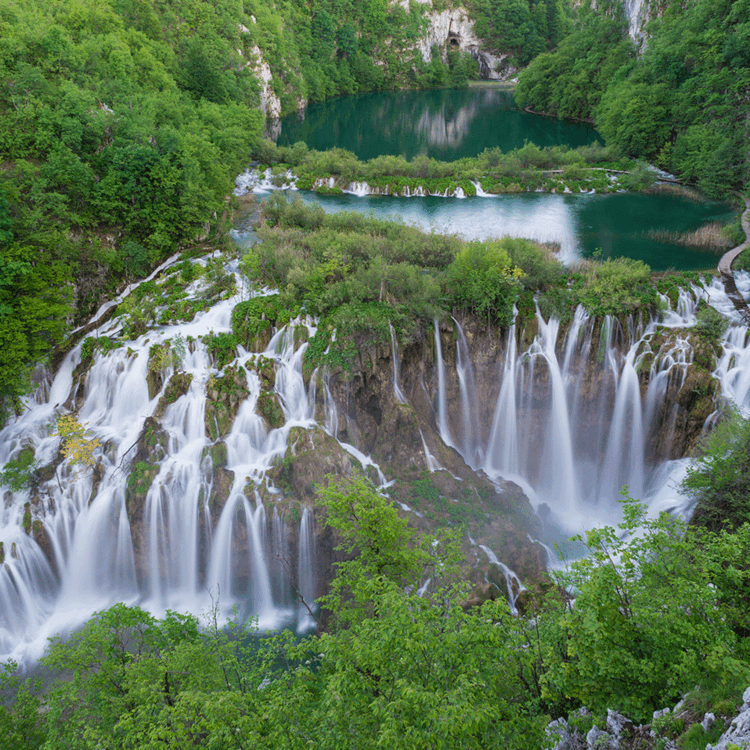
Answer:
(224, 394)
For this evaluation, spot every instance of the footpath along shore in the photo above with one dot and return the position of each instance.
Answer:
(725, 265)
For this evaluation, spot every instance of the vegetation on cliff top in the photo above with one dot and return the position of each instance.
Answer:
(360, 275)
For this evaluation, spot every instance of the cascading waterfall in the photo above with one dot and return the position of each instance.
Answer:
(397, 392)
(570, 423)
(174, 551)
(306, 566)
(513, 583)
(470, 423)
(573, 447)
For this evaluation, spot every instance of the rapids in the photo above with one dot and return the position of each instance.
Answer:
(74, 545)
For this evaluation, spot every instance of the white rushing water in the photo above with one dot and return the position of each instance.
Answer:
(571, 445)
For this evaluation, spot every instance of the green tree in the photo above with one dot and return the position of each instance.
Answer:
(647, 624)
(718, 480)
(483, 279)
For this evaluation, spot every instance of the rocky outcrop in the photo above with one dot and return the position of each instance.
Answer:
(224, 394)
(150, 450)
(620, 733)
(638, 15)
(738, 734)
(453, 28)
(177, 385)
(270, 103)
(310, 457)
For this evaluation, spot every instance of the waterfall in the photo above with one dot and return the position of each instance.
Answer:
(397, 392)
(306, 570)
(432, 462)
(503, 442)
(569, 419)
(179, 546)
(513, 586)
(442, 410)
(465, 370)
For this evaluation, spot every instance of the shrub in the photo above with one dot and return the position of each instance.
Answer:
(483, 279)
(719, 478)
(616, 286)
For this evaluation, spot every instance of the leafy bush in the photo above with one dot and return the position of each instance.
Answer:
(616, 286)
(711, 325)
(719, 478)
(19, 473)
(645, 627)
(222, 346)
(483, 279)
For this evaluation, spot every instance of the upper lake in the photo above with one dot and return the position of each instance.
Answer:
(445, 124)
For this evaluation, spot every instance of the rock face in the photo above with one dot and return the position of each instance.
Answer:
(738, 734)
(637, 13)
(270, 104)
(454, 29)
(447, 29)
(150, 449)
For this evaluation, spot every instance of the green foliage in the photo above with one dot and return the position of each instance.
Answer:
(169, 354)
(222, 347)
(140, 478)
(20, 727)
(524, 169)
(520, 27)
(711, 324)
(541, 269)
(616, 286)
(645, 627)
(19, 473)
(570, 81)
(483, 280)
(719, 478)
(654, 612)
(680, 102)
(113, 156)
(388, 552)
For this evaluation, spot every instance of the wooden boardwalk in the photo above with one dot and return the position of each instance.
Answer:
(725, 266)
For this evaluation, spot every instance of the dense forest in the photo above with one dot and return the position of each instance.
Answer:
(682, 101)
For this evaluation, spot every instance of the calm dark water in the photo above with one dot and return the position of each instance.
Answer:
(444, 124)
(452, 124)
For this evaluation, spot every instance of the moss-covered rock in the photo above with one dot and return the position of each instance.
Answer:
(311, 455)
(155, 375)
(177, 386)
(221, 487)
(41, 536)
(150, 450)
(224, 396)
(98, 475)
(269, 407)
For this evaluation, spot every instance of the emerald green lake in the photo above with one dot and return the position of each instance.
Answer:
(451, 124)
(445, 124)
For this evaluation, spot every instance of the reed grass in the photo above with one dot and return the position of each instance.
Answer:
(709, 236)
